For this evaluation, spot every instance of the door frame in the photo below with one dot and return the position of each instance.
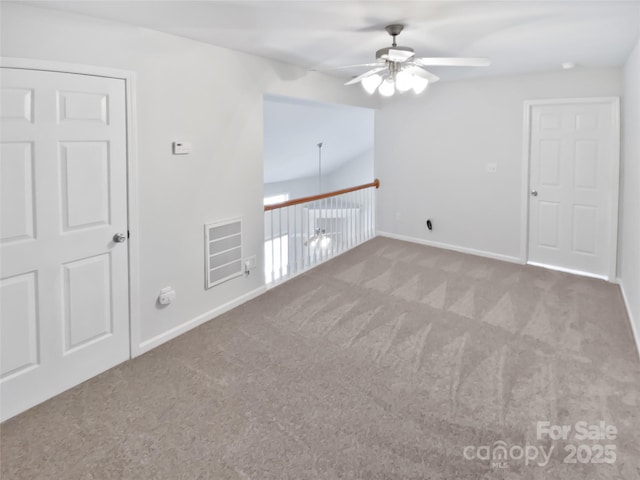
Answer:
(133, 243)
(614, 185)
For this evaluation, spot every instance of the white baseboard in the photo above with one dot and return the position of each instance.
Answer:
(446, 246)
(194, 322)
(634, 329)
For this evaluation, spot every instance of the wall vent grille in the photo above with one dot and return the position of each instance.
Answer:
(223, 251)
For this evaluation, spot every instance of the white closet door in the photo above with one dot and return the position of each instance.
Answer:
(64, 280)
(571, 157)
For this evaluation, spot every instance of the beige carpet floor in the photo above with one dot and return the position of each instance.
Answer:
(389, 362)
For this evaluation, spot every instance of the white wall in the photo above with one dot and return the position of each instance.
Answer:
(300, 187)
(293, 129)
(356, 171)
(431, 154)
(629, 240)
(189, 91)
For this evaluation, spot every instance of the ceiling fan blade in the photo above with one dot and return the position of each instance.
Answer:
(375, 64)
(421, 72)
(373, 71)
(452, 62)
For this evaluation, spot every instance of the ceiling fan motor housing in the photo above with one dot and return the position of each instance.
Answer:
(395, 54)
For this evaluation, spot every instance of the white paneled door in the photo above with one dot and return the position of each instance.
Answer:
(64, 272)
(573, 185)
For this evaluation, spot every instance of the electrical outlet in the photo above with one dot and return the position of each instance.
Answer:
(250, 263)
(492, 167)
(167, 295)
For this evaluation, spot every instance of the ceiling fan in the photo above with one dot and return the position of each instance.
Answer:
(397, 68)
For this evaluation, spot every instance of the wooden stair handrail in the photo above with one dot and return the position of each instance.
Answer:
(313, 198)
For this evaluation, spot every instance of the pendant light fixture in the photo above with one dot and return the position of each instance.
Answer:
(320, 237)
(320, 168)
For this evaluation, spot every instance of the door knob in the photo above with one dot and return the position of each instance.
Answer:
(534, 193)
(119, 237)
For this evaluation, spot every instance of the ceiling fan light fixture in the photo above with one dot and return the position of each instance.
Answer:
(404, 81)
(387, 88)
(419, 84)
(320, 239)
(371, 83)
(325, 241)
(398, 69)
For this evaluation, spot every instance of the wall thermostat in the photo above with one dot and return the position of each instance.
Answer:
(181, 148)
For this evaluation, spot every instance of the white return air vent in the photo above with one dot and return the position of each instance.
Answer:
(223, 251)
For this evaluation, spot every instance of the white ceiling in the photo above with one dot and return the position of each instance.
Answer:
(518, 36)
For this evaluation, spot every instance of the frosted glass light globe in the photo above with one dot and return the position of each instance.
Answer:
(387, 89)
(404, 81)
(371, 83)
(419, 84)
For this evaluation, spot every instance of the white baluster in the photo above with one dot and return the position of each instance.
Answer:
(294, 268)
(273, 250)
